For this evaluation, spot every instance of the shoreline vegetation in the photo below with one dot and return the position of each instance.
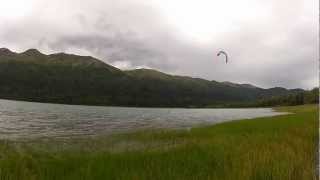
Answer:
(291, 99)
(279, 147)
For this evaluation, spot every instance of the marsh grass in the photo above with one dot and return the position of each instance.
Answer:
(272, 148)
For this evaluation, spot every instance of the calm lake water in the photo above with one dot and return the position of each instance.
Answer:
(33, 120)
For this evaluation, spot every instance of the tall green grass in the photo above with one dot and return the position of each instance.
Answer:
(273, 148)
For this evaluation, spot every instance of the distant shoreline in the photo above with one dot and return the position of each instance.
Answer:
(154, 107)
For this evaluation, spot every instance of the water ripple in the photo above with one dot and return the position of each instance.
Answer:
(32, 120)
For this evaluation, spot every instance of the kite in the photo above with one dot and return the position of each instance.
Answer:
(225, 54)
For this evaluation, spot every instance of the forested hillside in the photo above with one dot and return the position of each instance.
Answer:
(72, 79)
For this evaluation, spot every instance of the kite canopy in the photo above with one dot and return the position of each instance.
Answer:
(224, 53)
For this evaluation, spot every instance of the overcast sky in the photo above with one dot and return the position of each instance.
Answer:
(270, 43)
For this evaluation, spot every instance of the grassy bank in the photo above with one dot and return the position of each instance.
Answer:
(281, 147)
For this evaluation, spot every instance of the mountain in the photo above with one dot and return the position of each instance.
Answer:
(240, 85)
(73, 79)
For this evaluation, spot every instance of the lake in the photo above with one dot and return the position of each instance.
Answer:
(36, 120)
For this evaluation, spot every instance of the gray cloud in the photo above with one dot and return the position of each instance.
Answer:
(278, 50)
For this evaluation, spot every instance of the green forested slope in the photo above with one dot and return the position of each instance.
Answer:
(72, 79)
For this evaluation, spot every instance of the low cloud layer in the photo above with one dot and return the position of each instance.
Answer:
(273, 46)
